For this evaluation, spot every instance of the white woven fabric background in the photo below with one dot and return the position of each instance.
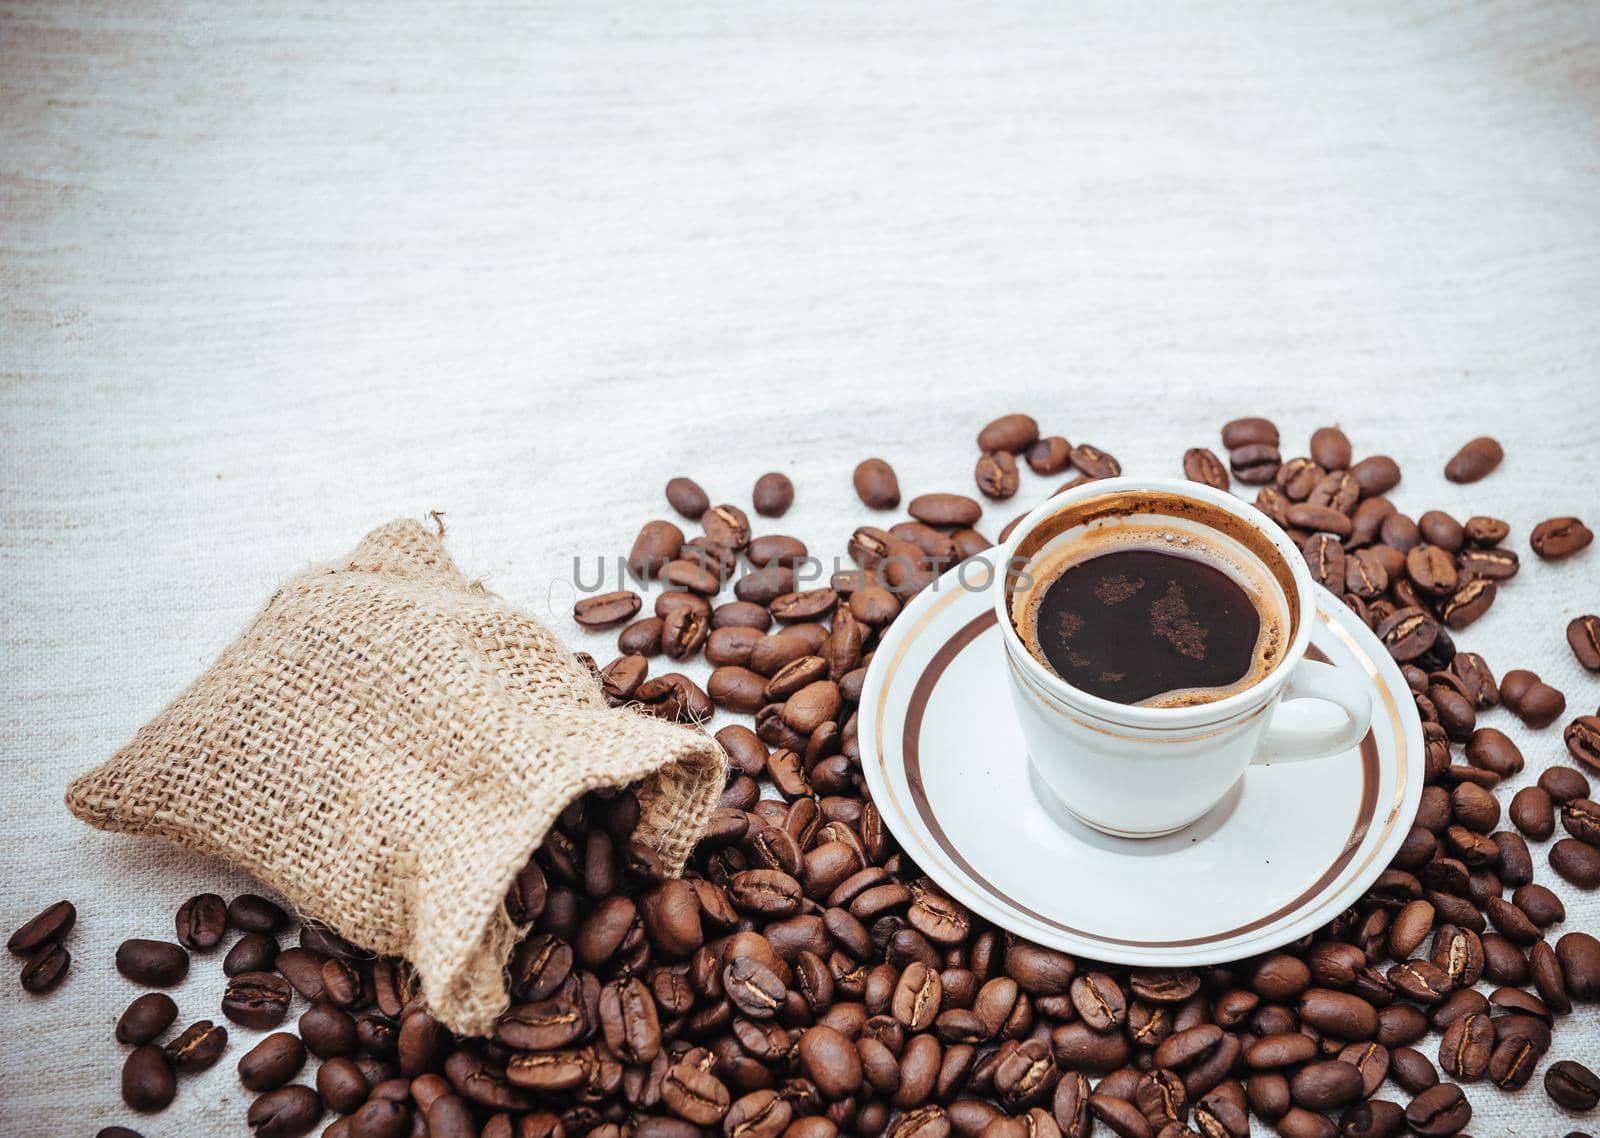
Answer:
(269, 281)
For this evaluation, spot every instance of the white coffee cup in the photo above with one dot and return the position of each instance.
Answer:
(1142, 771)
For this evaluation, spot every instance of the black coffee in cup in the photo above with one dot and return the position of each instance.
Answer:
(1138, 612)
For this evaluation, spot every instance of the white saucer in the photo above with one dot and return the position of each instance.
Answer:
(1286, 851)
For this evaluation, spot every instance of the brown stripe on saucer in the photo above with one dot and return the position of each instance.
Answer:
(911, 753)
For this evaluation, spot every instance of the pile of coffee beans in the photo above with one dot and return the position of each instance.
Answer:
(803, 979)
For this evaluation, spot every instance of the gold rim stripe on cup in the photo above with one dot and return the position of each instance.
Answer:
(964, 636)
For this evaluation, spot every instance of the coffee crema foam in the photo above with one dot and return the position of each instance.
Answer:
(1216, 550)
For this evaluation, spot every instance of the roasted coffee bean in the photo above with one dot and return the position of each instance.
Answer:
(1412, 1070)
(641, 638)
(1039, 971)
(1050, 455)
(830, 1060)
(253, 952)
(673, 696)
(148, 1082)
(1012, 434)
(1580, 817)
(1249, 430)
(1442, 530)
(1542, 906)
(1325, 556)
(996, 475)
(1563, 784)
(773, 494)
(198, 1046)
(341, 1085)
(272, 1062)
(1582, 737)
(1330, 448)
(1468, 603)
(1280, 1049)
(1576, 863)
(1377, 474)
(1572, 1085)
(657, 543)
(291, 1111)
(1093, 462)
(686, 497)
(737, 689)
(1439, 1111)
(1372, 1060)
(1503, 962)
(256, 914)
(695, 574)
(1254, 463)
(945, 509)
(1513, 1060)
(876, 484)
(328, 1031)
(1487, 564)
(1458, 953)
(1298, 478)
(1378, 1118)
(155, 963)
(1099, 1001)
(46, 968)
(1321, 519)
(257, 999)
(606, 610)
(1583, 635)
(49, 927)
(1340, 1015)
(1408, 633)
(1465, 1047)
(1201, 465)
(629, 1022)
(1539, 706)
(1326, 1085)
(1555, 538)
(1476, 459)
(1485, 531)
(146, 1018)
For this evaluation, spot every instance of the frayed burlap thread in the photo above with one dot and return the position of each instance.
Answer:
(385, 746)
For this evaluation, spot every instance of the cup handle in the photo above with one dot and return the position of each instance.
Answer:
(1312, 679)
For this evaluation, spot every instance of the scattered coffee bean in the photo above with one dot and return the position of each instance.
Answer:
(1582, 737)
(1576, 862)
(146, 1018)
(1439, 1111)
(201, 922)
(1376, 475)
(289, 1112)
(1050, 455)
(1201, 465)
(1476, 459)
(272, 1062)
(876, 484)
(257, 999)
(155, 963)
(1555, 538)
(49, 927)
(686, 497)
(607, 609)
(773, 495)
(148, 1082)
(45, 969)
(198, 1046)
(997, 475)
(1572, 1085)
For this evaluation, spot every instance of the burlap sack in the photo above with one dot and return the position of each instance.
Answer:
(384, 746)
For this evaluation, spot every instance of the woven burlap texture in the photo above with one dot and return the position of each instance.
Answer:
(384, 746)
